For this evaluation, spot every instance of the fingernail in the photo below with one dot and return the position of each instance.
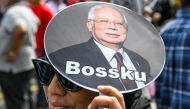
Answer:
(101, 87)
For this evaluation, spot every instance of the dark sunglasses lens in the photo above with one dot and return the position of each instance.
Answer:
(67, 84)
(44, 71)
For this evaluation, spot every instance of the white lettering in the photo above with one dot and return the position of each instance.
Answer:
(125, 74)
(72, 67)
(143, 76)
(87, 70)
(114, 73)
(101, 72)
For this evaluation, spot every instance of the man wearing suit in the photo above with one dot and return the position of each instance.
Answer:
(96, 59)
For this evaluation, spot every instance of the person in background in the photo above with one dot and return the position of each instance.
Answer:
(147, 12)
(172, 86)
(135, 5)
(44, 13)
(164, 8)
(17, 48)
(156, 16)
(56, 6)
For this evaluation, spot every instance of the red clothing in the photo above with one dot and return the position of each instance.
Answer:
(71, 2)
(44, 14)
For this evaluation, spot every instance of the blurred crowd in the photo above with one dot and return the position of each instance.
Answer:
(158, 12)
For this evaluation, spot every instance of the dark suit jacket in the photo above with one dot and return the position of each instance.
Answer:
(89, 54)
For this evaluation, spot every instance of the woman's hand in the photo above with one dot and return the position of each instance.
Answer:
(113, 99)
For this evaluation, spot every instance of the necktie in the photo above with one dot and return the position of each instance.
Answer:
(129, 84)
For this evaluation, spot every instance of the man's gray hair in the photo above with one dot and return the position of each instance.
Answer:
(94, 8)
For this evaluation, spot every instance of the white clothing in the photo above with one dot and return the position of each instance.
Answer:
(56, 7)
(14, 16)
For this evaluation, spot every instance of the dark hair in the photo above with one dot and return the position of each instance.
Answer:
(133, 99)
(18, 0)
(185, 3)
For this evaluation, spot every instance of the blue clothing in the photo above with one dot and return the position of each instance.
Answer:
(173, 85)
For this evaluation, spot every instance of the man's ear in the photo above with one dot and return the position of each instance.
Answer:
(89, 25)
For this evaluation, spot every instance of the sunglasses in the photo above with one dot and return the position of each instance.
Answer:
(45, 73)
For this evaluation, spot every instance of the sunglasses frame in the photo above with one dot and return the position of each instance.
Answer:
(53, 72)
